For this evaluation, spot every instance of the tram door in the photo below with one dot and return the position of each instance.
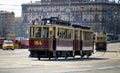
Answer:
(77, 40)
(52, 37)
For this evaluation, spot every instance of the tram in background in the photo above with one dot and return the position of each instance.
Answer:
(58, 39)
(101, 42)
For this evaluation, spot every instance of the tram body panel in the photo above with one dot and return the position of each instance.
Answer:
(87, 45)
(64, 45)
(101, 46)
(77, 45)
(87, 40)
(40, 44)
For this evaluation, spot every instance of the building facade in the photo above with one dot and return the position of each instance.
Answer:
(102, 15)
(7, 20)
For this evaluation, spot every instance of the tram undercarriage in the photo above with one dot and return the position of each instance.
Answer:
(58, 54)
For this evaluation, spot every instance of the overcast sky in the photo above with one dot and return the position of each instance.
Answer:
(14, 5)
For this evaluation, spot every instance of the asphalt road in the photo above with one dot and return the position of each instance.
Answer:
(17, 61)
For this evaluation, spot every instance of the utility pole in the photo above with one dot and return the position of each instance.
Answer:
(69, 9)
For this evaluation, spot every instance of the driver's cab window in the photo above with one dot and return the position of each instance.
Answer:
(38, 32)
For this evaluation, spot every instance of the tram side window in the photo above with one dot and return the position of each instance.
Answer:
(87, 36)
(64, 33)
(90, 36)
(60, 33)
(69, 34)
(97, 39)
(84, 36)
(38, 32)
(45, 32)
(76, 35)
(104, 39)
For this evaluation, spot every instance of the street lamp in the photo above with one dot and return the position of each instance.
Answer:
(69, 9)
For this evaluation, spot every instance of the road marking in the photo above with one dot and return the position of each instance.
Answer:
(82, 66)
(106, 68)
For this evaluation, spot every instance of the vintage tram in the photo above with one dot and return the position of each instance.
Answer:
(101, 42)
(60, 39)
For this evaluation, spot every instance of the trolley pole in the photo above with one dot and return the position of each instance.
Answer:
(69, 9)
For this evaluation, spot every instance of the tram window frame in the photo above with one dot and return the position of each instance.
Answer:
(69, 34)
(54, 32)
(97, 39)
(51, 32)
(87, 35)
(91, 35)
(64, 33)
(37, 30)
(31, 32)
(102, 39)
(80, 34)
(41, 22)
(77, 35)
(44, 35)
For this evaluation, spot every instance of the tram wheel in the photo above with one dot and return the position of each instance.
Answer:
(49, 58)
(56, 58)
(66, 58)
(82, 56)
(38, 58)
(73, 56)
(88, 55)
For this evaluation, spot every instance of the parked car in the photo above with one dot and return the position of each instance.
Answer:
(8, 44)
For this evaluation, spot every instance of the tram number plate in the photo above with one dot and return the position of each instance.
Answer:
(37, 42)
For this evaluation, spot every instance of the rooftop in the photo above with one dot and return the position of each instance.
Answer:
(2, 12)
(75, 2)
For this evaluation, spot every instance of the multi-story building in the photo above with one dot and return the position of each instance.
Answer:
(100, 14)
(7, 20)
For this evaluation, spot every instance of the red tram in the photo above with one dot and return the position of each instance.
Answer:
(101, 42)
(55, 39)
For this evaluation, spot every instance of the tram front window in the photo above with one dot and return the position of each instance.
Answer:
(38, 33)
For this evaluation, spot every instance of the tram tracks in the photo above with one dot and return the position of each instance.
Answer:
(107, 54)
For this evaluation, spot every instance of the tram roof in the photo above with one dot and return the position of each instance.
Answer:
(81, 26)
(53, 25)
(55, 21)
